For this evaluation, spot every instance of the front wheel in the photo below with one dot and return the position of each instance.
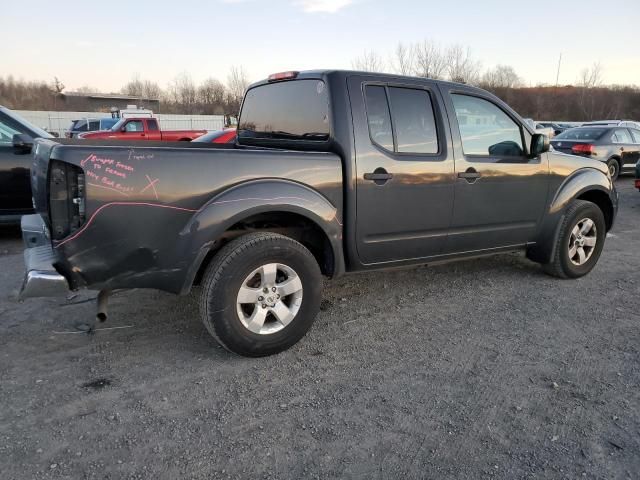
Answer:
(261, 294)
(579, 242)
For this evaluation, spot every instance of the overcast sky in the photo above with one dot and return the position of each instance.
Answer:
(102, 44)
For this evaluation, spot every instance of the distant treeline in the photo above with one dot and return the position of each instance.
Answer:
(587, 101)
(572, 104)
(182, 95)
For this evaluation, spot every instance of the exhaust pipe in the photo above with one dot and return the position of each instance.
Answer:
(103, 298)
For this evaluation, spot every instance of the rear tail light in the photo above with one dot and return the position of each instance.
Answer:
(66, 199)
(283, 76)
(637, 182)
(583, 149)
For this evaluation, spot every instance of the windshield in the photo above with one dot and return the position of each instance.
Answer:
(581, 134)
(16, 118)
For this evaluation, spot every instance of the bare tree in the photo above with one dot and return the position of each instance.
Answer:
(141, 88)
(211, 94)
(403, 60)
(370, 61)
(237, 83)
(501, 76)
(182, 92)
(461, 66)
(57, 86)
(430, 61)
(591, 77)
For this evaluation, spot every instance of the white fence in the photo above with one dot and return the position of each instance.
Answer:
(59, 122)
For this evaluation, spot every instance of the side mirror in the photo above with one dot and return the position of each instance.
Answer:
(539, 144)
(22, 144)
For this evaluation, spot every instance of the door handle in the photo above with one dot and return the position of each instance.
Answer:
(380, 176)
(470, 175)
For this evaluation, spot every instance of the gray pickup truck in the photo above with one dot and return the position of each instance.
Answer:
(332, 172)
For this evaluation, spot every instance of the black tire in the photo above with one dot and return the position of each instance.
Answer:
(561, 265)
(614, 168)
(228, 271)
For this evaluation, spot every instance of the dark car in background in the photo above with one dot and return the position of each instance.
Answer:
(15, 186)
(90, 125)
(618, 147)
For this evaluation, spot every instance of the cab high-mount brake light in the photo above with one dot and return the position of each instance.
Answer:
(282, 76)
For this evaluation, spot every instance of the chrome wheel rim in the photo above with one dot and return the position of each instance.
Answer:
(582, 241)
(269, 298)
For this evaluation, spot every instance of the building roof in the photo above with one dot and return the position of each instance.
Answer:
(109, 96)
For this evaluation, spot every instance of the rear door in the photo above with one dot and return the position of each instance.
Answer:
(624, 145)
(633, 156)
(153, 130)
(404, 170)
(500, 192)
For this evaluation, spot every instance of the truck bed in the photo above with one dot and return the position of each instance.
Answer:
(152, 193)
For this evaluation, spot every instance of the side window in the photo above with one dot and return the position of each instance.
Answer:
(378, 116)
(413, 121)
(6, 133)
(636, 135)
(485, 129)
(81, 126)
(134, 126)
(620, 135)
(152, 125)
(94, 125)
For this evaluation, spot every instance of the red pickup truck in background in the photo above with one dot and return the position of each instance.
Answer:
(143, 129)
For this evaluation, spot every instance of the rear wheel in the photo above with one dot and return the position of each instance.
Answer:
(261, 294)
(580, 241)
(614, 168)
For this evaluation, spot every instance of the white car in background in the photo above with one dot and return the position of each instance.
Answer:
(548, 131)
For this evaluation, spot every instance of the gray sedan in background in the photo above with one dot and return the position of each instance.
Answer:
(618, 147)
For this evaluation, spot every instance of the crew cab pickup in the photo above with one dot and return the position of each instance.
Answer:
(143, 129)
(332, 172)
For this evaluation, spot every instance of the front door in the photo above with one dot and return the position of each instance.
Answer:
(404, 170)
(500, 191)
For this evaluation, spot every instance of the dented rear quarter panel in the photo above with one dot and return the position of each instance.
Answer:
(152, 212)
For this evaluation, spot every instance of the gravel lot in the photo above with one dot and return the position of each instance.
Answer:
(480, 369)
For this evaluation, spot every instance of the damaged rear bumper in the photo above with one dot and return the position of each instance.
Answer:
(41, 278)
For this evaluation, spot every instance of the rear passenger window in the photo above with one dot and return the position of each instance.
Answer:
(620, 136)
(413, 121)
(378, 116)
(152, 125)
(636, 135)
(94, 125)
(409, 120)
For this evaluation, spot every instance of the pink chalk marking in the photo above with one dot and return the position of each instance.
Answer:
(143, 204)
(152, 185)
(109, 188)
